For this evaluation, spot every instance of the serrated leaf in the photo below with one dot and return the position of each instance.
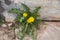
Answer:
(26, 8)
(35, 12)
(36, 9)
(14, 10)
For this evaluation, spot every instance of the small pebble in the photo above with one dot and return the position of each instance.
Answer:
(8, 20)
(10, 24)
(4, 25)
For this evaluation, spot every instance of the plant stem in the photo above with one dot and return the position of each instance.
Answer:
(34, 34)
(24, 32)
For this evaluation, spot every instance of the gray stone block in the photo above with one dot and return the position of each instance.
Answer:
(8, 2)
(1, 8)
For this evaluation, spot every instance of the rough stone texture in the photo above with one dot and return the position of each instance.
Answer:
(9, 17)
(52, 32)
(6, 34)
(8, 2)
(1, 8)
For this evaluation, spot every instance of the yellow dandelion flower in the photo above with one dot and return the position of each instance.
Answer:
(25, 14)
(30, 20)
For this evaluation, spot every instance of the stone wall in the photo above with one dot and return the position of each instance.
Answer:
(50, 10)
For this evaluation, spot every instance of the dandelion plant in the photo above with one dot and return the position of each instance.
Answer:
(26, 20)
